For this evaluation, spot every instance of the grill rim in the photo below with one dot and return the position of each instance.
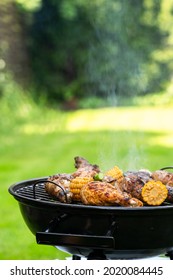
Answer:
(42, 203)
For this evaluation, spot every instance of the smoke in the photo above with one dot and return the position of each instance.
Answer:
(115, 73)
(122, 149)
(114, 67)
(136, 157)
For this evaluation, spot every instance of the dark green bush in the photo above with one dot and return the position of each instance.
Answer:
(84, 48)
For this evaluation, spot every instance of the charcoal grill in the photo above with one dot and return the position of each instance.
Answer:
(95, 232)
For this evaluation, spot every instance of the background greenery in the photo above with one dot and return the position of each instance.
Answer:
(67, 51)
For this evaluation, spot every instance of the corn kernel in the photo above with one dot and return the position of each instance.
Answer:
(76, 184)
(154, 193)
(115, 172)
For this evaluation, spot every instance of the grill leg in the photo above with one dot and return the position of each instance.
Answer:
(74, 257)
(170, 254)
(96, 255)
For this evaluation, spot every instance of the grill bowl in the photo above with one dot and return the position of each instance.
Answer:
(116, 232)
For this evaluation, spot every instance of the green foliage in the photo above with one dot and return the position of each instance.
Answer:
(15, 104)
(122, 62)
(80, 48)
(154, 99)
(29, 5)
(60, 36)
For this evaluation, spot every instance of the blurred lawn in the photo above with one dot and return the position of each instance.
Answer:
(36, 143)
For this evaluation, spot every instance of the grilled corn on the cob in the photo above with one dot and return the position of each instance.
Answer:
(115, 173)
(154, 193)
(76, 184)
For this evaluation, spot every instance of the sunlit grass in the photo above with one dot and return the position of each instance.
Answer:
(125, 118)
(145, 119)
(138, 118)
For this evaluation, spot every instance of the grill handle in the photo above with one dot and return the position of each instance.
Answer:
(52, 182)
(75, 240)
(167, 167)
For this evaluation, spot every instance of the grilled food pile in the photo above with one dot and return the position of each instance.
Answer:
(88, 185)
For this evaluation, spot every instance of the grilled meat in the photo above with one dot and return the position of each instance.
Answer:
(163, 176)
(141, 185)
(170, 194)
(58, 186)
(132, 188)
(84, 168)
(102, 193)
(134, 181)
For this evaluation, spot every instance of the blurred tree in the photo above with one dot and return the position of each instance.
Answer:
(13, 50)
(100, 47)
(82, 47)
(61, 35)
(128, 32)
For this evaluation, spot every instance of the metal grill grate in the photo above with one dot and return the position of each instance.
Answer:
(37, 193)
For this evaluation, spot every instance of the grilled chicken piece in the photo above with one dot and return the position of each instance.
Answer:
(163, 176)
(170, 194)
(58, 186)
(134, 181)
(84, 168)
(102, 193)
(141, 185)
(62, 191)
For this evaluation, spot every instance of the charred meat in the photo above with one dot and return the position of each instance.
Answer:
(163, 176)
(102, 193)
(58, 186)
(84, 168)
(88, 185)
(134, 182)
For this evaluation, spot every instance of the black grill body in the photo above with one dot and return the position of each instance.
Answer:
(115, 232)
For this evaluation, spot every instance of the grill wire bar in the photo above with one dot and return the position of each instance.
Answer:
(37, 192)
(48, 181)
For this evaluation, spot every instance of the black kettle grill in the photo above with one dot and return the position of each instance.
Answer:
(95, 232)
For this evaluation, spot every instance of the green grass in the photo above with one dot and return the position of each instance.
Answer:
(37, 142)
